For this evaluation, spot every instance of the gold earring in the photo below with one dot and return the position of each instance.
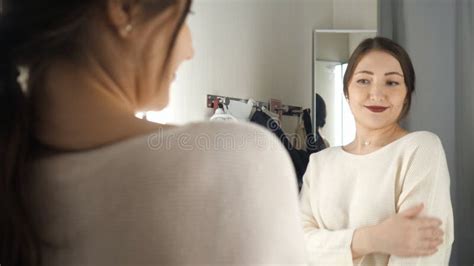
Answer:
(128, 28)
(125, 31)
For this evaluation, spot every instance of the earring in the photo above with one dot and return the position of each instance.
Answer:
(127, 30)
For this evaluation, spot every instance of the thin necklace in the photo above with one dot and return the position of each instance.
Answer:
(368, 142)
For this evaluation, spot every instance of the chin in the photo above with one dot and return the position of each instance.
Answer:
(155, 105)
(159, 101)
(159, 106)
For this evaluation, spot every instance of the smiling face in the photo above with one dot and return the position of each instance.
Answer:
(377, 90)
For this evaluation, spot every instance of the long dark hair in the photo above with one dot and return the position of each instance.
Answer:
(392, 48)
(32, 32)
(320, 122)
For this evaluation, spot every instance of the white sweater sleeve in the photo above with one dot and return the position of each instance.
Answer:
(427, 181)
(323, 247)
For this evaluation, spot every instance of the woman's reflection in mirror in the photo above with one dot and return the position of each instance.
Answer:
(384, 198)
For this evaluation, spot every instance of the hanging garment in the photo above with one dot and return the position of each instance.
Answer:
(222, 115)
(240, 110)
(300, 158)
(314, 142)
(263, 119)
(299, 142)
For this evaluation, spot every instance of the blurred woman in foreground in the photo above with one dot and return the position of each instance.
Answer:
(84, 182)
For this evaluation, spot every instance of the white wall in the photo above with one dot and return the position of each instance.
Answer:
(248, 48)
(356, 38)
(332, 47)
(257, 48)
(355, 14)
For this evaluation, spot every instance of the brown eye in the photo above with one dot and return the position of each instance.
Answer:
(392, 83)
(363, 81)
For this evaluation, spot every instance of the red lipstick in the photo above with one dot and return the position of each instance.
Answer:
(376, 109)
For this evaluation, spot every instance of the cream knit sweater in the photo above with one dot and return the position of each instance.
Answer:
(201, 194)
(343, 191)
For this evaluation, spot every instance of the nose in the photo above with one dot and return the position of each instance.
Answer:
(376, 93)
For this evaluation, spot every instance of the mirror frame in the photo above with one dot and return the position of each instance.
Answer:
(313, 63)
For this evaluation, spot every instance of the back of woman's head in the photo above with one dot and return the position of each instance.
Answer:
(320, 111)
(32, 34)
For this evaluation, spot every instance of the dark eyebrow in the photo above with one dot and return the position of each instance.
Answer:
(393, 73)
(386, 74)
(365, 72)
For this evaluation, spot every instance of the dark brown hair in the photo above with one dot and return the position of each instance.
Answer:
(395, 50)
(320, 111)
(31, 33)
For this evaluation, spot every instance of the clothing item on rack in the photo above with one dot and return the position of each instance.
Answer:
(300, 158)
(240, 110)
(314, 142)
(222, 115)
(299, 141)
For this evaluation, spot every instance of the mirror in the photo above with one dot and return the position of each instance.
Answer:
(331, 52)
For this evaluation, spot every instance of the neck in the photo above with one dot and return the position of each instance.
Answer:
(76, 110)
(368, 140)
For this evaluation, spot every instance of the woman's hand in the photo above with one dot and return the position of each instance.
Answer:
(406, 235)
(402, 234)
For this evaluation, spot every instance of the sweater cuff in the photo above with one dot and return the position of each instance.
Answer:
(332, 248)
